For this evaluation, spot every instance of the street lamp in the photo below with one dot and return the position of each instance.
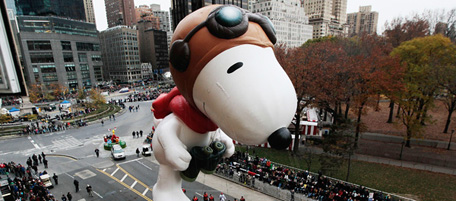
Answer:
(451, 136)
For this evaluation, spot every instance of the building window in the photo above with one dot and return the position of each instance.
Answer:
(72, 76)
(42, 57)
(50, 77)
(96, 58)
(84, 67)
(82, 57)
(39, 45)
(85, 74)
(48, 68)
(66, 45)
(70, 67)
(87, 46)
(68, 57)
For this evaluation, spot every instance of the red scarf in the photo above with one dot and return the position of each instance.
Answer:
(174, 102)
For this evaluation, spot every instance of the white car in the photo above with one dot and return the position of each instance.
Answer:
(117, 152)
(146, 150)
(46, 179)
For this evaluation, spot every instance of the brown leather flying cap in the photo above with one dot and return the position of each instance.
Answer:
(203, 46)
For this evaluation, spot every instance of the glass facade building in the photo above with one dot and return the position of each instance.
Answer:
(60, 51)
(73, 9)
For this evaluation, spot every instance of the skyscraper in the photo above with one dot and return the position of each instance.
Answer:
(120, 12)
(144, 13)
(291, 23)
(119, 47)
(328, 17)
(181, 8)
(364, 21)
(90, 14)
(73, 9)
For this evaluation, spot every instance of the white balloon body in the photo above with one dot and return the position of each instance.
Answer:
(248, 105)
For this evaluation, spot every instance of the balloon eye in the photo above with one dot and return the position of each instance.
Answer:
(234, 67)
(229, 16)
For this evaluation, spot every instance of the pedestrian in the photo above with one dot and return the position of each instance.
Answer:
(114, 117)
(211, 198)
(140, 132)
(45, 162)
(39, 158)
(205, 197)
(56, 179)
(242, 198)
(69, 196)
(102, 122)
(89, 190)
(97, 152)
(133, 133)
(76, 185)
(43, 155)
(195, 198)
(63, 198)
(137, 152)
(222, 197)
(110, 117)
(137, 134)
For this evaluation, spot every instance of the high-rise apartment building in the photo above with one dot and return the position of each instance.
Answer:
(153, 46)
(328, 17)
(144, 13)
(364, 21)
(73, 9)
(60, 51)
(120, 53)
(90, 14)
(165, 22)
(289, 19)
(120, 12)
(181, 8)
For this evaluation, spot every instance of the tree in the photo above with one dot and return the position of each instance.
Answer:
(35, 93)
(401, 30)
(81, 94)
(58, 90)
(422, 57)
(96, 98)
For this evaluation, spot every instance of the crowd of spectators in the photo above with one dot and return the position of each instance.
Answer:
(24, 183)
(315, 186)
(11, 100)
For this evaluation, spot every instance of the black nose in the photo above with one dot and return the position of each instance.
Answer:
(280, 139)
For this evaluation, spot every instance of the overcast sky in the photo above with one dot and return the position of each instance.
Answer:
(387, 9)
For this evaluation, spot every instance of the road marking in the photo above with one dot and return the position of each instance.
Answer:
(123, 184)
(198, 194)
(144, 165)
(115, 171)
(130, 161)
(69, 175)
(134, 183)
(104, 170)
(123, 178)
(34, 144)
(145, 191)
(134, 178)
(98, 194)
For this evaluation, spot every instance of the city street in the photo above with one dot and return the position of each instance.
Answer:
(71, 156)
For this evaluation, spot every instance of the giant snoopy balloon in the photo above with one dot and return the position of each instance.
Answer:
(229, 87)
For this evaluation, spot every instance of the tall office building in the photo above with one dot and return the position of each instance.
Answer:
(120, 12)
(90, 14)
(153, 46)
(288, 17)
(364, 21)
(60, 51)
(328, 17)
(73, 9)
(145, 13)
(165, 22)
(181, 8)
(120, 53)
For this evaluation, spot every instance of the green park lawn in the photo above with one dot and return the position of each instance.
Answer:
(416, 184)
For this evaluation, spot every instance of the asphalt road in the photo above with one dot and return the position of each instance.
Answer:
(71, 156)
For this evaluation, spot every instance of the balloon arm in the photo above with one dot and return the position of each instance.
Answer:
(225, 139)
(175, 151)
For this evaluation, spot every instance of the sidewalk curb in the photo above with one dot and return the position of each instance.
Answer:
(63, 155)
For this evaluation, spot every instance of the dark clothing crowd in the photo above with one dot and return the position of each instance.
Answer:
(315, 186)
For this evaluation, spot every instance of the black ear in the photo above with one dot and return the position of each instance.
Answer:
(179, 55)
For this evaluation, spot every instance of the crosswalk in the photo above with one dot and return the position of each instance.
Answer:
(124, 178)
